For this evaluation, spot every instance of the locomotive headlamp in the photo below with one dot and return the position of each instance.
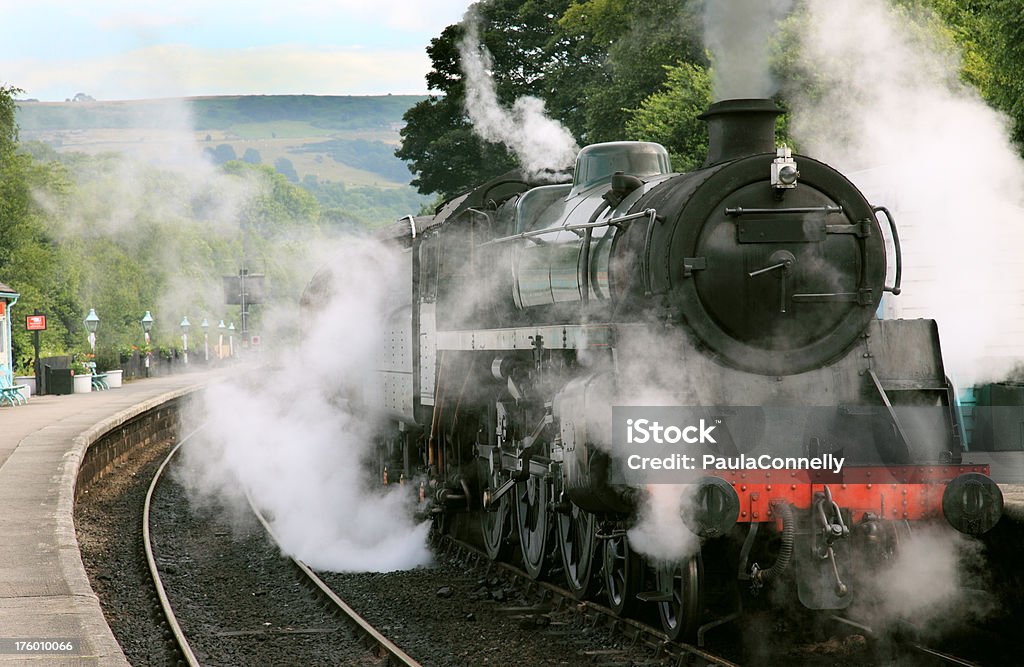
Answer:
(972, 503)
(784, 171)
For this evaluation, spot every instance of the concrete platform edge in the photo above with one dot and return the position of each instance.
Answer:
(71, 565)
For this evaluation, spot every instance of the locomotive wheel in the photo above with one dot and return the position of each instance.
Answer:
(534, 525)
(680, 616)
(495, 526)
(577, 542)
(622, 572)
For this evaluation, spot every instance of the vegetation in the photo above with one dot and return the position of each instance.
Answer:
(636, 69)
(124, 235)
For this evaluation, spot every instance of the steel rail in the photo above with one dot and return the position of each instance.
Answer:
(172, 621)
(395, 655)
(655, 639)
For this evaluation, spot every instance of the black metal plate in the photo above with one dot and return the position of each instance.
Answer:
(794, 228)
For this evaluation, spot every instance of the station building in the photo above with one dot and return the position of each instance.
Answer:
(8, 298)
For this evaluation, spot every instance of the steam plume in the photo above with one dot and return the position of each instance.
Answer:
(738, 33)
(889, 102)
(543, 145)
(297, 441)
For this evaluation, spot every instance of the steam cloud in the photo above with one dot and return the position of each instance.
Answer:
(738, 34)
(543, 145)
(890, 104)
(296, 441)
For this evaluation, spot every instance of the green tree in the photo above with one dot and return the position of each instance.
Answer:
(622, 47)
(438, 141)
(670, 116)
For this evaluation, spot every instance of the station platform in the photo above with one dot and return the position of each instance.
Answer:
(44, 591)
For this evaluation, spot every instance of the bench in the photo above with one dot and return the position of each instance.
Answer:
(99, 380)
(11, 393)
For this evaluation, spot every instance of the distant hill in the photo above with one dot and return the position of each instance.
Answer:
(337, 139)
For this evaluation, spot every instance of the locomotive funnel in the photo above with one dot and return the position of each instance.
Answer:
(738, 128)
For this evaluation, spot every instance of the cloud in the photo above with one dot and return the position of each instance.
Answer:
(64, 47)
(181, 70)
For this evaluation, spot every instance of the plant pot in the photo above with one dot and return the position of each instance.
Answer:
(83, 383)
(29, 381)
(114, 378)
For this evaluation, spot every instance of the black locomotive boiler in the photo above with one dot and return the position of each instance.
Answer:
(746, 287)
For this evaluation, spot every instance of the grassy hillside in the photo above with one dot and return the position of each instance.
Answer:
(347, 140)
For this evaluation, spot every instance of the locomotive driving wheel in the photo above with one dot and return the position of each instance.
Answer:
(680, 615)
(495, 523)
(534, 524)
(622, 571)
(577, 542)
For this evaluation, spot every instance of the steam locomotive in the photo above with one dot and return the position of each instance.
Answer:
(745, 290)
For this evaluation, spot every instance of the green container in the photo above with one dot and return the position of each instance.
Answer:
(59, 380)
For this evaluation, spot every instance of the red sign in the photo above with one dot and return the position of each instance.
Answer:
(35, 323)
(3, 308)
(255, 340)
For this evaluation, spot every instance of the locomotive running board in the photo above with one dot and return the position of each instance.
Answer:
(554, 337)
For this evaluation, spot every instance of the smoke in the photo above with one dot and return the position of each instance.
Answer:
(738, 34)
(543, 146)
(933, 582)
(884, 98)
(164, 205)
(296, 437)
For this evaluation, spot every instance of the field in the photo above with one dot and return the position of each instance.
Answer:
(347, 140)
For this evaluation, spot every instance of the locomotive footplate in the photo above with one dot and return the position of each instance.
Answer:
(898, 492)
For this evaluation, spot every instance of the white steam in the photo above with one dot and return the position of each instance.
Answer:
(296, 438)
(888, 101)
(738, 34)
(659, 531)
(543, 146)
(932, 583)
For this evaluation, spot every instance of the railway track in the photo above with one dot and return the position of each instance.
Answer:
(657, 642)
(642, 642)
(660, 647)
(382, 649)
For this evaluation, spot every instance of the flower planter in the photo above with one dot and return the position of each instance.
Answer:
(83, 383)
(29, 381)
(114, 378)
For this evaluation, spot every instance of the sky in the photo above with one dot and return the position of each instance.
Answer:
(137, 49)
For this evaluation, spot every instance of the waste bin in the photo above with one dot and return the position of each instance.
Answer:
(59, 380)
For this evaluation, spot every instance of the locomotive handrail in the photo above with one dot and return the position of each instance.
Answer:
(895, 289)
(739, 210)
(612, 222)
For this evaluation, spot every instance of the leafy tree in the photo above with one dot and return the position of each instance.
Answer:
(285, 167)
(670, 116)
(252, 156)
(221, 154)
(438, 140)
(622, 47)
(590, 61)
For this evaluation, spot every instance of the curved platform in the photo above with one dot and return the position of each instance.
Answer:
(44, 591)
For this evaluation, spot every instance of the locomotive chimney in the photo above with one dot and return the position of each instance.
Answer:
(738, 128)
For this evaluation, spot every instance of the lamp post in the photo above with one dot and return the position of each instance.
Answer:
(92, 322)
(206, 339)
(231, 339)
(220, 341)
(184, 337)
(147, 325)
